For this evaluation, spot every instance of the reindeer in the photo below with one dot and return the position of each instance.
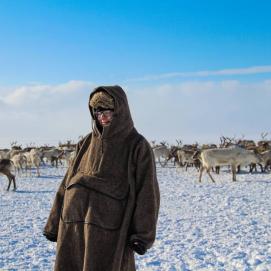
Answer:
(173, 155)
(4, 153)
(266, 158)
(232, 156)
(19, 161)
(33, 159)
(161, 151)
(52, 154)
(67, 146)
(68, 156)
(15, 149)
(226, 142)
(185, 158)
(5, 168)
(207, 147)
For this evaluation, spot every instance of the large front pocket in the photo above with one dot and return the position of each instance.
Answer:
(85, 205)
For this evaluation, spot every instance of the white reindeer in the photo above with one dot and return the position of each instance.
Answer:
(20, 161)
(69, 156)
(233, 156)
(33, 159)
(161, 152)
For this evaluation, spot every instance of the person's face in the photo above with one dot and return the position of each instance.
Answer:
(104, 117)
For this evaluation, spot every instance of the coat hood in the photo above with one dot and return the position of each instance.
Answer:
(100, 163)
(122, 122)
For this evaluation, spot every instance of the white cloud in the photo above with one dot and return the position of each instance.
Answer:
(196, 110)
(224, 72)
(32, 93)
(191, 110)
(197, 87)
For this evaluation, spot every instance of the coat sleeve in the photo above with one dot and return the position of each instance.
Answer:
(147, 202)
(51, 228)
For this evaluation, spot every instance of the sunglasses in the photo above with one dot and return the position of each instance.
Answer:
(106, 113)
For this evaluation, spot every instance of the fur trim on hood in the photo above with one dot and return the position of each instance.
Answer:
(102, 99)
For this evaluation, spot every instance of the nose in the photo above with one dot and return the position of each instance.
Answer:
(103, 115)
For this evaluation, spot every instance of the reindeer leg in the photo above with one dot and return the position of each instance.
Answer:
(27, 170)
(233, 168)
(30, 171)
(42, 161)
(165, 163)
(20, 170)
(200, 173)
(252, 167)
(14, 183)
(9, 180)
(6, 173)
(9, 183)
(208, 172)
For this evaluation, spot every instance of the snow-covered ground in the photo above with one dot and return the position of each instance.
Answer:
(222, 226)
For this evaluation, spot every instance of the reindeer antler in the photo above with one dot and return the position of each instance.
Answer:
(179, 142)
(264, 135)
(13, 143)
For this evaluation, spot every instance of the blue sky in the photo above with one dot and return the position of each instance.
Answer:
(52, 53)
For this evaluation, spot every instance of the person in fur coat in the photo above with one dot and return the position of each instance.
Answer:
(106, 207)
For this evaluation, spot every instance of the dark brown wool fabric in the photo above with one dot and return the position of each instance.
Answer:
(108, 197)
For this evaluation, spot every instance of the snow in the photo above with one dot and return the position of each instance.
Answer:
(202, 226)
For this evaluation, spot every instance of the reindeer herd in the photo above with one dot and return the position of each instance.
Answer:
(207, 157)
(24, 160)
(230, 152)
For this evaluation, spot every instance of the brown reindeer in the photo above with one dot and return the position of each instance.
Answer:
(5, 166)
